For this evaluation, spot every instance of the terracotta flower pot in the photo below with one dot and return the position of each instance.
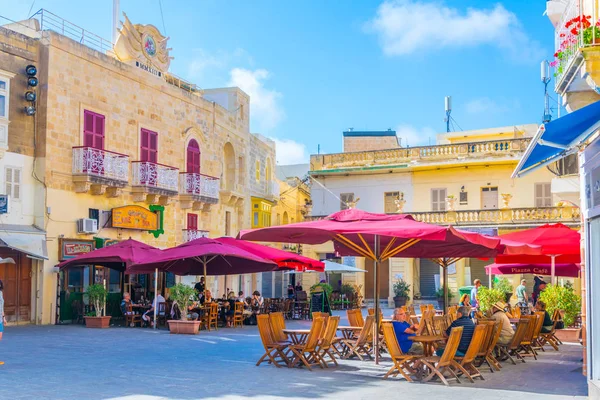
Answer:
(184, 327)
(568, 335)
(97, 322)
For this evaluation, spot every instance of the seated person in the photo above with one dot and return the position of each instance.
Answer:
(125, 303)
(207, 297)
(466, 322)
(149, 315)
(403, 331)
(465, 301)
(257, 300)
(228, 308)
(241, 298)
(507, 331)
(548, 324)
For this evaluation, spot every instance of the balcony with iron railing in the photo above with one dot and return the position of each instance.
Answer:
(153, 178)
(198, 188)
(339, 162)
(191, 234)
(577, 30)
(99, 169)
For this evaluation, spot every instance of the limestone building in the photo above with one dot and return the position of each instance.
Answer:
(124, 149)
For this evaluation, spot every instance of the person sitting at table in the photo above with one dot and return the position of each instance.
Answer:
(463, 319)
(290, 291)
(126, 302)
(149, 315)
(548, 324)
(228, 308)
(257, 300)
(403, 331)
(207, 298)
(507, 332)
(465, 301)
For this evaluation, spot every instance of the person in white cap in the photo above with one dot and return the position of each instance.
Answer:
(507, 332)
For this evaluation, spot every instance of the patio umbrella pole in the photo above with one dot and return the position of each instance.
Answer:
(552, 268)
(376, 281)
(445, 272)
(205, 281)
(155, 295)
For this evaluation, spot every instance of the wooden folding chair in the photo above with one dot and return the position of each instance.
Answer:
(277, 326)
(423, 308)
(327, 342)
(486, 351)
(131, 317)
(306, 353)
(446, 363)
(402, 362)
(213, 316)
(512, 349)
(355, 317)
(526, 349)
(535, 341)
(411, 311)
(274, 351)
(360, 346)
(516, 312)
(238, 315)
(467, 362)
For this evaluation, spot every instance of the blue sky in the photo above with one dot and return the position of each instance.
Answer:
(316, 68)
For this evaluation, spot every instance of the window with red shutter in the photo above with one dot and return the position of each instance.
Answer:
(192, 221)
(93, 130)
(149, 146)
(193, 157)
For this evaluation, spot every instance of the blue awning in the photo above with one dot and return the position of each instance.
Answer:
(559, 138)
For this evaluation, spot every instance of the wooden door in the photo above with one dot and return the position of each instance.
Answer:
(24, 304)
(8, 275)
(17, 287)
(193, 157)
(383, 274)
(93, 130)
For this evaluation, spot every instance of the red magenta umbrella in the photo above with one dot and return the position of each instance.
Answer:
(119, 256)
(284, 259)
(206, 256)
(559, 245)
(569, 270)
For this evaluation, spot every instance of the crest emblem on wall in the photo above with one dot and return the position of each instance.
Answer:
(143, 44)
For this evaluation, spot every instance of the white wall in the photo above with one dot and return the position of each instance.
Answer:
(369, 188)
(22, 210)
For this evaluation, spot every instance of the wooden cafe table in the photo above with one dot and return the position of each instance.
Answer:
(428, 342)
(297, 336)
(349, 331)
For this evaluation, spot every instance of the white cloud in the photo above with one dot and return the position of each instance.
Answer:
(204, 61)
(407, 26)
(265, 106)
(483, 104)
(290, 152)
(412, 136)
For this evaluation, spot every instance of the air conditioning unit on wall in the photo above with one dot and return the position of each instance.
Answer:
(87, 225)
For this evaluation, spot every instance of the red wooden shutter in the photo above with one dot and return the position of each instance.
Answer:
(193, 157)
(149, 146)
(192, 221)
(93, 130)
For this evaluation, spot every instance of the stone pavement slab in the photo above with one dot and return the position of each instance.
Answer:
(72, 362)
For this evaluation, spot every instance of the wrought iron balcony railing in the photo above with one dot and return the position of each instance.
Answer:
(103, 164)
(191, 234)
(204, 186)
(154, 175)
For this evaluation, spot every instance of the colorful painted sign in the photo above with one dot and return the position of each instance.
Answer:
(134, 217)
(71, 248)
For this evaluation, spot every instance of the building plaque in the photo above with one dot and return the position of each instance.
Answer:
(134, 217)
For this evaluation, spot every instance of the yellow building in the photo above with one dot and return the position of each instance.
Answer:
(464, 180)
(127, 150)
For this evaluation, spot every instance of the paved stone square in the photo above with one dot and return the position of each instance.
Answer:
(72, 362)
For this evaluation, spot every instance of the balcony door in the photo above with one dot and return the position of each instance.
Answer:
(149, 146)
(193, 157)
(192, 222)
(489, 198)
(93, 130)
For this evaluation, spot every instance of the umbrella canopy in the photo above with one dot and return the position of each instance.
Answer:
(354, 233)
(554, 239)
(331, 266)
(119, 256)
(569, 270)
(284, 259)
(206, 256)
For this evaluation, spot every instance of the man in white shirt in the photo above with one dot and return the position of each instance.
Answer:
(149, 315)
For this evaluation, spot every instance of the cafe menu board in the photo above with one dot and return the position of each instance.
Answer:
(71, 248)
(134, 217)
(319, 303)
(170, 280)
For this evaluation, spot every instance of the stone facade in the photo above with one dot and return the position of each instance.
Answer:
(353, 141)
(75, 78)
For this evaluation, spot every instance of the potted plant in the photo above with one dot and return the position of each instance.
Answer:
(401, 292)
(440, 294)
(564, 299)
(180, 294)
(488, 297)
(504, 285)
(97, 294)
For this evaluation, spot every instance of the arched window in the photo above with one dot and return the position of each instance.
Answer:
(193, 157)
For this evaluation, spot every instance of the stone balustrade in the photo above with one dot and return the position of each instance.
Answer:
(205, 187)
(500, 216)
(495, 148)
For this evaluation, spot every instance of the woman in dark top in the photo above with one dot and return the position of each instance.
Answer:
(548, 323)
(228, 308)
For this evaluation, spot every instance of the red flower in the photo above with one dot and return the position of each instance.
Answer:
(574, 31)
